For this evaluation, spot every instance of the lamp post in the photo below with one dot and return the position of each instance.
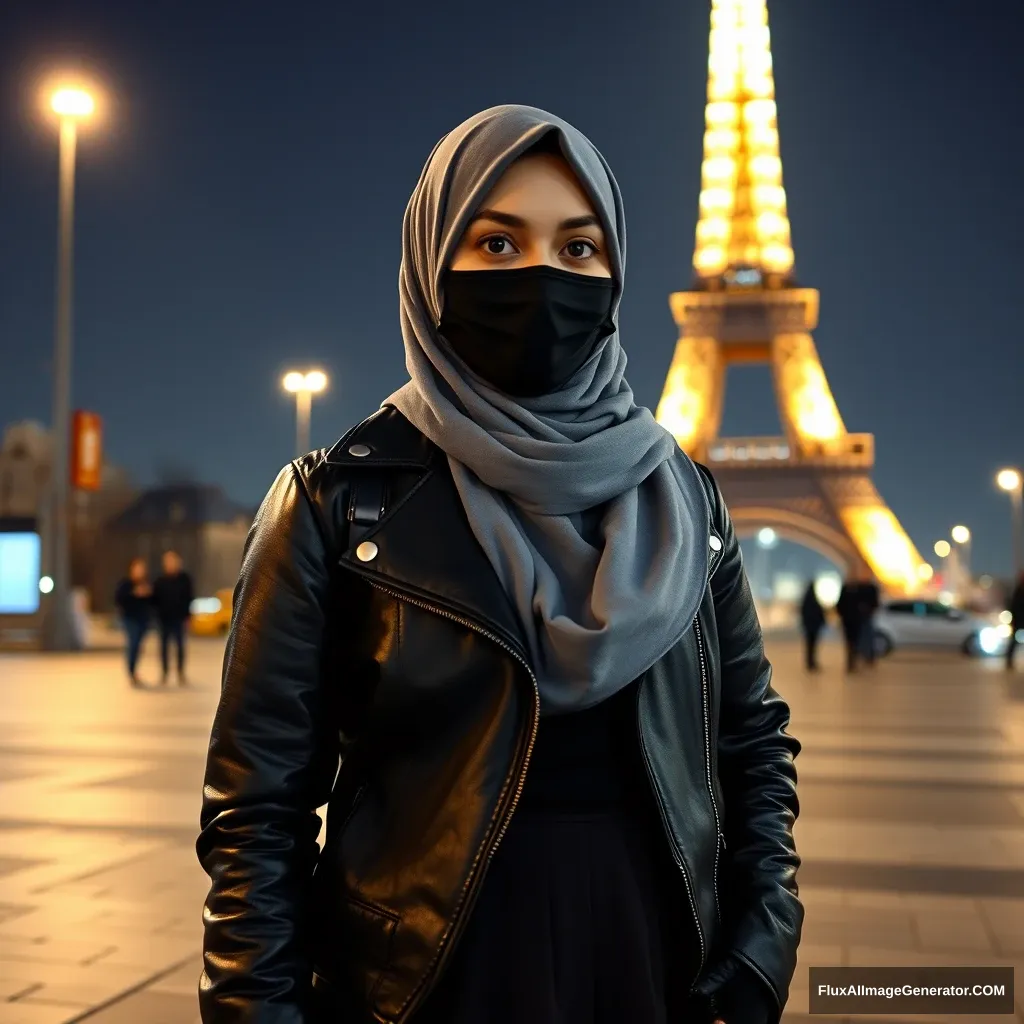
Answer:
(767, 538)
(70, 105)
(1012, 481)
(304, 386)
(961, 536)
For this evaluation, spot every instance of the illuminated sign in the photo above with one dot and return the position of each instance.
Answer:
(86, 451)
(19, 573)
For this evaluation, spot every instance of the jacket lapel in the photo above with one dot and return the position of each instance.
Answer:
(423, 548)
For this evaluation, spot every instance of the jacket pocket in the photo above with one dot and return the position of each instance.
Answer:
(370, 930)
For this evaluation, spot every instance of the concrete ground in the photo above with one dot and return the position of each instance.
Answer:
(912, 831)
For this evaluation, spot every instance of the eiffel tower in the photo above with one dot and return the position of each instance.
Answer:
(814, 484)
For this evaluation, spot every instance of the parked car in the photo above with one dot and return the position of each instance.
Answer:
(902, 624)
(211, 616)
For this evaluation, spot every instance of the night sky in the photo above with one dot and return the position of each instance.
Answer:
(239, 213)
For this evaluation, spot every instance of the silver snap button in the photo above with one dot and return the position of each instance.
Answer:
(360, 451)
(715, 543)
(367, 551)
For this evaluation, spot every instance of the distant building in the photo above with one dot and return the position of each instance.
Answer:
(26, 459)
(198, 521)
(25, 456)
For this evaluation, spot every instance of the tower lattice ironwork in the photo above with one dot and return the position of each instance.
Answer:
(814, 483)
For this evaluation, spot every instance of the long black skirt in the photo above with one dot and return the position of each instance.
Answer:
(582, 919)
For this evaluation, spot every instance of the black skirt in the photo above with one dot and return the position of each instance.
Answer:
(583, 916)
(577, 923)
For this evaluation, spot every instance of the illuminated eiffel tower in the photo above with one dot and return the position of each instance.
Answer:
(814, 484)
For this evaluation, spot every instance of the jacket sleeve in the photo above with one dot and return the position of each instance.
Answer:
(271, 764)
(758, 777)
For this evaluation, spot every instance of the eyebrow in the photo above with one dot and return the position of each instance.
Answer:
(510, 220)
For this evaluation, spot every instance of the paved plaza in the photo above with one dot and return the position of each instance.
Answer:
(912, 831)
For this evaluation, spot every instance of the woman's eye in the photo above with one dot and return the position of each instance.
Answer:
(498, 246)
(579, 249)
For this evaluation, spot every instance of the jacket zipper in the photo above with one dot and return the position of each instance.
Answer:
(521, 781)
(705, 701)
(676, 856)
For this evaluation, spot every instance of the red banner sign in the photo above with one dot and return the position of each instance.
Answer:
(86, 451)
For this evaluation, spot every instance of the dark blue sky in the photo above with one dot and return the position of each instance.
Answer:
(239, 213)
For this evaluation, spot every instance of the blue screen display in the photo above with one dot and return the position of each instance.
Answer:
(19, 573)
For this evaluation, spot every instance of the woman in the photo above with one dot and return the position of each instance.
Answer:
(517, 614)
(812, 619)
(134, 600)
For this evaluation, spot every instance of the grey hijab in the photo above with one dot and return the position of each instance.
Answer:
(595, 522)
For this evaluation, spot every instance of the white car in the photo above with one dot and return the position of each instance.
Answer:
(901, 624)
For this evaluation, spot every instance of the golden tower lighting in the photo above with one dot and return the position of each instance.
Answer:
(745, 308)
(743, 221)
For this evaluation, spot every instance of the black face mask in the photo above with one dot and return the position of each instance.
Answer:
(525, 331)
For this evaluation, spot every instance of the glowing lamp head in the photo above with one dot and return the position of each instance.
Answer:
(1008, 479)
(316, 380)
(960, 534)
(942, 548)
(767, 538)
(312, 382)
(72, 103)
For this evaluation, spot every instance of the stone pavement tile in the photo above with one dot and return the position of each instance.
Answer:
(56, 951)
(798, 1017)
(80, 986)
(915, 901)
(37, 1013)
(894, 843)
(152, 951)
(9, 865)
(182, 982)
(843, 926)
(148, 1007)
(872, 899)
(51, 917)
(1005, 919)
(821, 895)
(881, 956)
(812, 954)
(940, 931)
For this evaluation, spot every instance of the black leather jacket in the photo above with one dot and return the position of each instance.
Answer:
(395, 650)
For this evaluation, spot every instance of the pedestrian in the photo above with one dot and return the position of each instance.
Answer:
(870, 599)
(856, 607)
(567, 792)
(172, 599)
(812, 621)
(1016, 610)
(134, 600)
(848, 610)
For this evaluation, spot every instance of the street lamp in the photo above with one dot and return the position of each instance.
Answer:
(962, 538)
(942, 548)
(70, 105)
(304, 386)
(1012, 481)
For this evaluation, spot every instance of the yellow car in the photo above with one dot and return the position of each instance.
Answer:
(211, 616)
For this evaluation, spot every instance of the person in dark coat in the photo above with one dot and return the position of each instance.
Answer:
(858, 601)
(1016, 609)
(134, 600)
(172, 600)
(812, 621)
